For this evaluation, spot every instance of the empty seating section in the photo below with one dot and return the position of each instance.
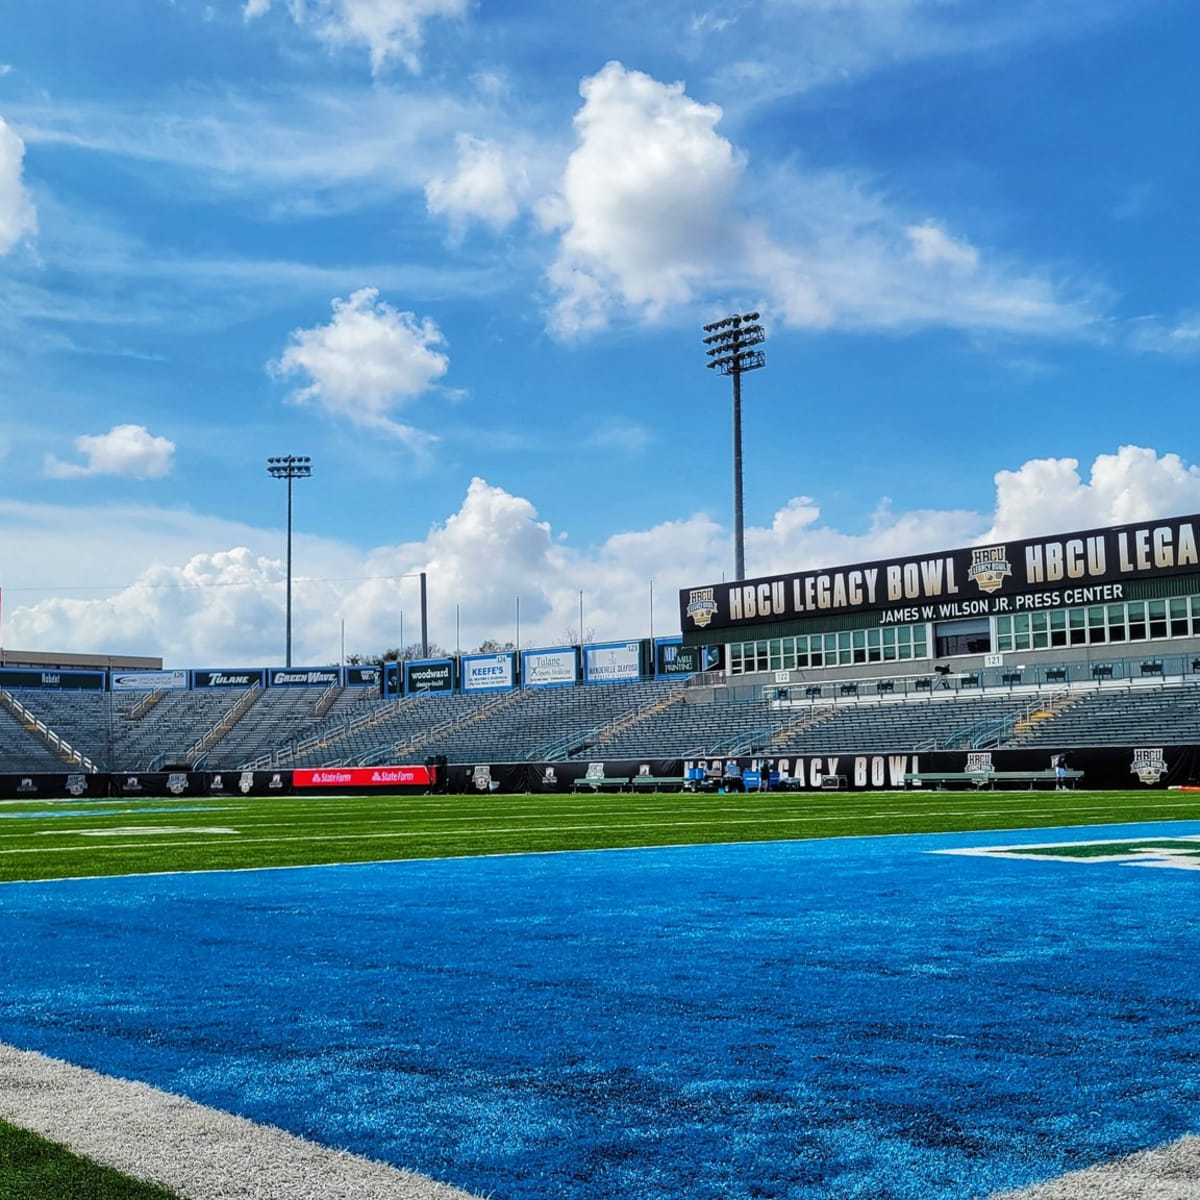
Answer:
(278, 717)
(1167, 714)
(689, 725)
(21, 750)
(610, 721)
(548, 723)
(953, 722)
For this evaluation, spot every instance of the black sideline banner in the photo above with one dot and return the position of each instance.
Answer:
(1107, 768)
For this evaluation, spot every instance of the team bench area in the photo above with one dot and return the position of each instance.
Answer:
(632, 783)
(657, 783)
(989, 779)
(601, 783)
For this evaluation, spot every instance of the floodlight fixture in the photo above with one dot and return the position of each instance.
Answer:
(289, 467)
(732, 341)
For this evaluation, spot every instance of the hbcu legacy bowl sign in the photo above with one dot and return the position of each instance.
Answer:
(1013, 576)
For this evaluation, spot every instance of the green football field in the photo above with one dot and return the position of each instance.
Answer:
(51, 840)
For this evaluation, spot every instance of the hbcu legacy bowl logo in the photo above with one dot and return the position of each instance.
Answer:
(702, 606)
(989, 568)
(1148, 765)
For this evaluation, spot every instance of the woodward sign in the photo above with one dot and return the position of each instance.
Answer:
(363, 777)
(1011, 576)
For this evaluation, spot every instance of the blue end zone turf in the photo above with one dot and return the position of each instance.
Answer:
(810, 1020)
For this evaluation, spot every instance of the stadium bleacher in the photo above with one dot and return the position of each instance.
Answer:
(327, 726)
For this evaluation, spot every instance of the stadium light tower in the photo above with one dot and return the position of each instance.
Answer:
(289, 467)
(731, 351)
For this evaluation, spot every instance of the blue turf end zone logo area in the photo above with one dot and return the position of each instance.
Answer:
(1179, 853)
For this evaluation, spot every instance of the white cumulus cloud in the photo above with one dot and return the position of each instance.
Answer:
(389, 29)
(127, 450)
(655, 208)
(367, 363)
(202, 592)
(18, 218)
(486, 186)
(642, 200)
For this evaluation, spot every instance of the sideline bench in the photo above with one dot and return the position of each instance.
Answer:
(989, 779)
(607, 783)
(657, 783)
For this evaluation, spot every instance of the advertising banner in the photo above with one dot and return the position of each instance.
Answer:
(488, 672)
(614, 662)
(52, 786)
(239, 677)
(393, 679)
(550, 668)
(369, 677)
(248, 783)
(304, 676)
(148, 681)
(433, 676)
(674, 659)
(1090, 567)
(28, 677)
(363, 777)
(158, 783)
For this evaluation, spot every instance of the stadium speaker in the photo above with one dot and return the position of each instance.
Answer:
(942, 668)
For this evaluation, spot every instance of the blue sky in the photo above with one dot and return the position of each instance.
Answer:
(459, 252)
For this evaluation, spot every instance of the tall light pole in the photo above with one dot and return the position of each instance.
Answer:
(289, 467)
(731, 352)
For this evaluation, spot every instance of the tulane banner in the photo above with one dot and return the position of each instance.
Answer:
(550, 668)
(237, 677)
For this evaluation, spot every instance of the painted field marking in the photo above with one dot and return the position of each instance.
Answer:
(136, 831)
(1180, 853)
(198, 1152)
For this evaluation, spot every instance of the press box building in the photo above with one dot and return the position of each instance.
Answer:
(1113, 601)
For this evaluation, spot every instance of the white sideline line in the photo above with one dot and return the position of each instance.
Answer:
(200, 1153)
(1170, 1172)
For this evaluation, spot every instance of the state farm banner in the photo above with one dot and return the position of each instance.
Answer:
(612, 663)
(363, 777)
(550, 668)
(148, 681)
(1091, 567)
(242, 677)
(488, 672)
(304, 676)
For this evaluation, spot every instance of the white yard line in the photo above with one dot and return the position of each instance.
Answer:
(1170, 1172)
(198, 1152)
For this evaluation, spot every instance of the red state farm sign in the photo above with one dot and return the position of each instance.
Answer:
(380, 777)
